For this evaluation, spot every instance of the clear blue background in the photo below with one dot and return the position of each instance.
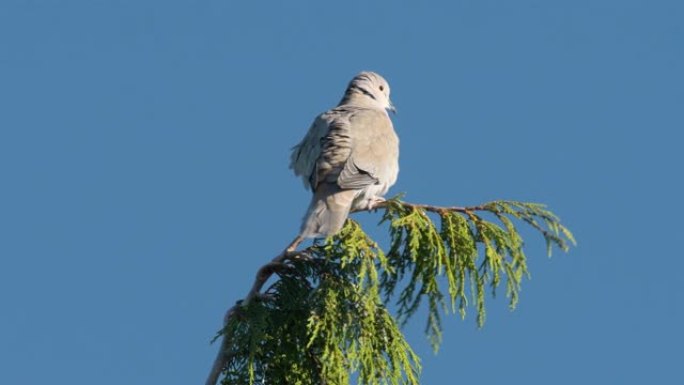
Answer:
(143, 164)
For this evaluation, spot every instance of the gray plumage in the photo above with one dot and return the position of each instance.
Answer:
(350, 156)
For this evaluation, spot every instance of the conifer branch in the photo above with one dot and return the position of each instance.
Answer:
(326, 316)
(263, 274)
(430, 208)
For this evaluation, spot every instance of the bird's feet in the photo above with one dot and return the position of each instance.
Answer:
(374, 202)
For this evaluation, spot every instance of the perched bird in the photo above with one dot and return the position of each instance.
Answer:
(350, 156)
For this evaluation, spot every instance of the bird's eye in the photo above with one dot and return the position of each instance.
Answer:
(382, 88)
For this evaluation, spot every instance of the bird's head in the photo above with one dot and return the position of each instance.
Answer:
(372, 87)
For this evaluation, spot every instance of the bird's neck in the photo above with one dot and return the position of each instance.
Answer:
(355, 98)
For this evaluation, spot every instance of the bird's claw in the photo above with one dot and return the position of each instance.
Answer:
(374, 202)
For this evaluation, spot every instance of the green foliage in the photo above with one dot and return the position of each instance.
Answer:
(325, 319)
(465, 253)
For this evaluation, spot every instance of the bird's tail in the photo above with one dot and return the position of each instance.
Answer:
(327, 212)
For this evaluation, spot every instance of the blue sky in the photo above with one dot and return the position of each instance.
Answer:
(144, 149)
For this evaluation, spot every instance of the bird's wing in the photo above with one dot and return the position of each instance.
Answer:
(306, 153)
(375, 150)
(335, 163)
(351, 146)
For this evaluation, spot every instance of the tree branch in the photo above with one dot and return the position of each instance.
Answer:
(278, 262)
(431, 208)
(263, 274)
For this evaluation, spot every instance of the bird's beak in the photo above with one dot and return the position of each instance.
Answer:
(392, 108)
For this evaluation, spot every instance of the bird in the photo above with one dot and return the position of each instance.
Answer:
(349, 157)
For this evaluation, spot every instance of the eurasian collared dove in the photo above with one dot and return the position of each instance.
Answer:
(350, 156)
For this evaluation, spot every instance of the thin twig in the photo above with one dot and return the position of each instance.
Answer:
(221, 357)
(431, 208)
